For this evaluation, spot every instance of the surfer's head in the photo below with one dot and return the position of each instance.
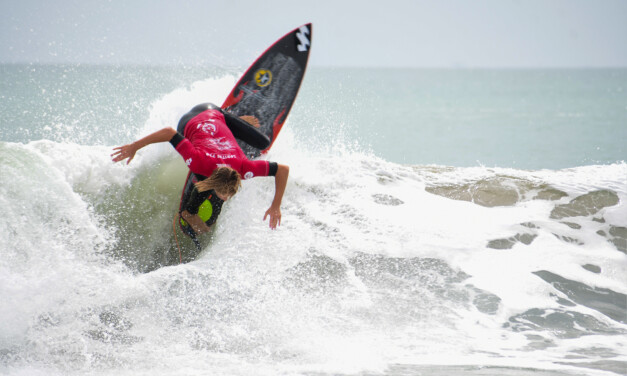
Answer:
(225, 181)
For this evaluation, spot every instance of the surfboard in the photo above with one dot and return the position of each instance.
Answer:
(266, 90)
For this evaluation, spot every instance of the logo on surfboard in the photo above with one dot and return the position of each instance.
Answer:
(303, 39)
(263, 77)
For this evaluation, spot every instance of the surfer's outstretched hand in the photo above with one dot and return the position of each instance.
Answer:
(122, 152)
(275, 216)
(128, 151)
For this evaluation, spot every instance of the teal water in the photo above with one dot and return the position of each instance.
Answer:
(529, 119)
(84, 104)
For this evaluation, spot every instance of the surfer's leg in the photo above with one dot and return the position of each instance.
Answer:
(246, 132)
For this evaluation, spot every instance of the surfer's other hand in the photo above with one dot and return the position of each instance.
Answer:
(275, 216)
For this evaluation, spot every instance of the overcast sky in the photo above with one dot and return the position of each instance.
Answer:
(389, 33)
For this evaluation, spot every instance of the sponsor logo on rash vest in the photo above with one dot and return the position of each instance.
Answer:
(220, 156)
(207, 127)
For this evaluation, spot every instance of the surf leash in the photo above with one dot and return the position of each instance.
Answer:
(176, 216)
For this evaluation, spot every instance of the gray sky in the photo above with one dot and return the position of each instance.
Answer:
(396, 33)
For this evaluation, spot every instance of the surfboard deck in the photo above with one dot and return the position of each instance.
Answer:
(267, 90)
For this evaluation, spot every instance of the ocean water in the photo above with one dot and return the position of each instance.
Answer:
(436, 222)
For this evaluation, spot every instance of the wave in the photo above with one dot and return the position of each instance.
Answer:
(377, 266)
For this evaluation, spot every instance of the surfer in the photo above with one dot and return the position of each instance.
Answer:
(206, 139)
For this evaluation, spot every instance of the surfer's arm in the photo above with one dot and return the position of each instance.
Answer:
(280, 182)
(199, 226)
(128, 151)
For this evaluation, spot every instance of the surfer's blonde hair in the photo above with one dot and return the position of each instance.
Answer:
(224, 180)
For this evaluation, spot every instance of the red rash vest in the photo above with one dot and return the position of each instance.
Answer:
(209, 144)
